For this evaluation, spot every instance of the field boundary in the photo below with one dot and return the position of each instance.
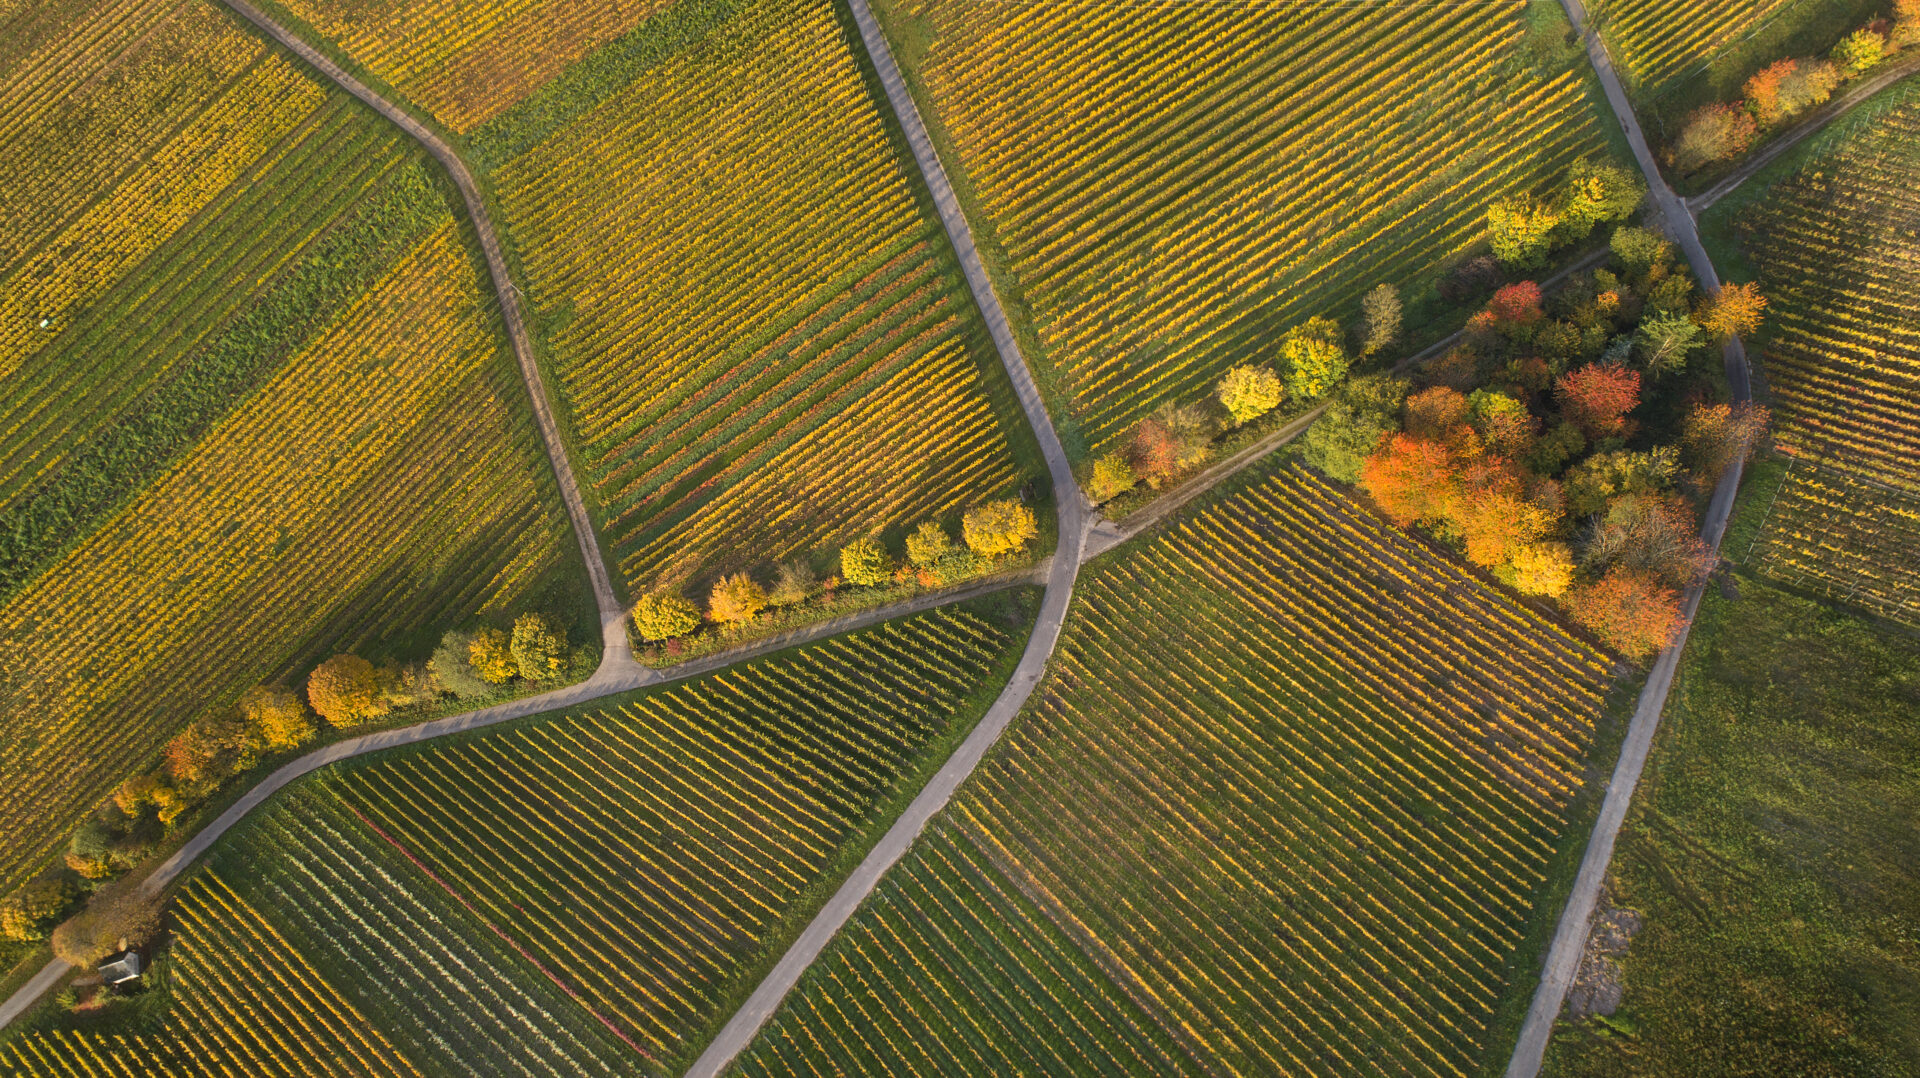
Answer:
(1569, 941)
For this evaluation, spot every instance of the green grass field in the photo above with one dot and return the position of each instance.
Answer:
(584, 892)
(1284, 805)
(1772, 850)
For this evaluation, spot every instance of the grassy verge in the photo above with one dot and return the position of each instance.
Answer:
(1772, 850)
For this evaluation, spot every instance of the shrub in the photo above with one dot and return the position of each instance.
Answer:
(1112, 476)
(865, 562)
(1313, 358)
(539, 648)
(1713, 133)
(795, 584)
(1520, 231)
(452, 667)
(344, 692)
(928, 543)
(1469, 280)
(1249, 393)
(998, 527)
(1631, 611)
(121, 911)
(664, 616)
(1859, 51)
(1381, 315)
(29, 912)
(1736, 311)
(490, 654)
(277, 715)
(735, 599)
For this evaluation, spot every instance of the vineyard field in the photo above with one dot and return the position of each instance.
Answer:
(1675, 55)
(576, 894)
(764, 346)
(1832, 242)
(1166, 188)
(254, 404)
(464, 63)
(1840, 536)
(1284, 805)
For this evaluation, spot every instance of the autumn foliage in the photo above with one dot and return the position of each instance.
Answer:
(1736, 311)
(343, 690)
(1630, 609)
(1596, 398)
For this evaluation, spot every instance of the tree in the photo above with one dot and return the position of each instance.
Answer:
(1174, 438)
(490, 653)
(452, 668)
(1496, 521)
(1859, 51)
(119, 911)
(1381, 313)
(1736, 311)
(539, 648)
(1596, 194)
(27, 913)
(208, 750)
(1665, 340)
(999, 527)
(1630, 610)
(795, 584)
(344, 692)
(1249, 393)
(1362, 413)
(1520, 231)
(1518, 305)
(1112, 476)
(735, 599)
(1812, 84)
(1763, 91)
(1597, 398)
(866, 563)
(1435, 411)
(1313, 358)
(1718, 435)
(1504, 423)
(664, 615)
(1639, 251)
(1411, 479)
(1651, 533)
(1543, 569)
(1906, 23)
(1713, 133)
(277, 715)
(928, 544)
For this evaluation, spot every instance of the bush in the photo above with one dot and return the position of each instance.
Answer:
(1859, 51)
(664, 615)
(1380, 320)
(865, 562)
(490, 654)
(1313, 358)
(928, 544)
(31, 911)
(1000, 527)
(1112, 477)
(277, 715)
(452, 666)
(1520, 230)
(735, 599)
(121, 911)
(954, 566)
(1469, 280)
(795, 584)
(539, 648)
(1248, 393)
(1713, 133)
(343, 690)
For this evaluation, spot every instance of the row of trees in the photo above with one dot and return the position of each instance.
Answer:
(1311, 359)
(344, 691)
(1524, 444)
(1524, 230)
(1787, 88)
(990, 532)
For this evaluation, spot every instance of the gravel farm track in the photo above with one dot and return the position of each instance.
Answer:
(1081, 535)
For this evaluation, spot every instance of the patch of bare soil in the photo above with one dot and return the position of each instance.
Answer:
(1598, 985)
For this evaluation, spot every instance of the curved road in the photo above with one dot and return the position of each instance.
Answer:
(1570, 935)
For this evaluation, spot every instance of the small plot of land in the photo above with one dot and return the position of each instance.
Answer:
(1771, 853)
(464, 62)
(1283, 806)
(575, 895)
(255, 407)
(1840, 535)
(761, 340)
(1833, 244)
(1171, 186)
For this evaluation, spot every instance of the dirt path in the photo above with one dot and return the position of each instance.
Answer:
(1816, 120)
(1570, 935)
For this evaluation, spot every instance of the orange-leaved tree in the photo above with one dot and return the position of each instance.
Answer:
(1597, 397)
(1410, 479)
(344, 691)
(1736, 311)
(1629, 609)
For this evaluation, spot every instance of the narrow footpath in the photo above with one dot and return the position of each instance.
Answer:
(1570, 935)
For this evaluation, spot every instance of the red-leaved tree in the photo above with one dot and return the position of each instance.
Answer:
(1518, 304)
(1596, 398)
(1629, 609)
